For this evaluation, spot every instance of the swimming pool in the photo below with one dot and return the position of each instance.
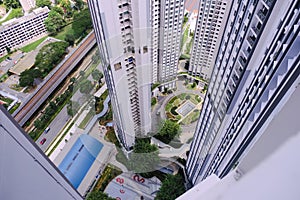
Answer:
(80, 158)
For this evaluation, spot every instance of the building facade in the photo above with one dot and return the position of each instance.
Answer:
(26, 172)
(123, 34)
(256, 72)
(27, 5)
(17, 32)
(206, 36)
(166, 21)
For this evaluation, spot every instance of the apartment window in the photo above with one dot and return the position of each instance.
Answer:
(117, 66)
(145, 49)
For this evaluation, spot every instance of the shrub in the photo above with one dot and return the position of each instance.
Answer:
(173, 110)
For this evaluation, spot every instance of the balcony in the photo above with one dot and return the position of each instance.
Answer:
(261, 15)
(242, 61)
(251, 40)
(255, 30)
(269, 2)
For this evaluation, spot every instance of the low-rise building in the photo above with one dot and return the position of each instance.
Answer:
(18, 32)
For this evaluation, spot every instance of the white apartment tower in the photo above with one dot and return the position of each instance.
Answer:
(123, 34)
(166, 22)
(255, 74)
(206, 36)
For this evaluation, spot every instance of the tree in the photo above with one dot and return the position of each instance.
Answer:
(12, 4)
(97, 195)
(73, 80)
(168, 130)
(97, 75)
(82, 22)
(82, 73)
(58, 10)
(54, 22)
(72, 108)
(70, 38)
(171, 188)
(144, 157)
(27, 77)
(49, 56)
(8, 50)
(96, 57)
(79, 4)
(42, 3)
(86, 86)
(38, 124)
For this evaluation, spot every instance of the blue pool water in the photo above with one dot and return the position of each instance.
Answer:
(80, 158)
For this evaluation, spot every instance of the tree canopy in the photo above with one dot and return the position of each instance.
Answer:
(49, 56)
(82, 22)
(97, 75)
(27, 77)
(168, 130)
(172, 187)
(12, 3)
(98, 195)
(144, 157)
(42, 3)
(86, 86)
(54, 22)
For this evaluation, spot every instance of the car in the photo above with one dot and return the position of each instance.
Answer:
(43, 141)
(47, 130)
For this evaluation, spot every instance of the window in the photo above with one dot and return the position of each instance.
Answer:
(117, 66)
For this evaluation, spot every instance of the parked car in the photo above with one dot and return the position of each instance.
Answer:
(47, 129)
(43, 141)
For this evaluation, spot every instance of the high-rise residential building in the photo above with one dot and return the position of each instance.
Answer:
(25, 171)
(256, 72)
(166, 22)
(139, 43)
(206, 36)
(123, 34)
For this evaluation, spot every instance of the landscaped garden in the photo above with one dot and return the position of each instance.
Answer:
(179, 108)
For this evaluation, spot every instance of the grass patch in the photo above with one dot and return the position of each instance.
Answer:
(32, 46)
(14, 108)
(3, 77)
(110, 136)
(6, 100)
(4, 57)
(185, 36)
(109, 173)
(15, 13)
(192, 117)
(188, 47)
(153, 101)
(99, 102)
(86, 119)
(66, 30)
(16, 87)
(184, 56)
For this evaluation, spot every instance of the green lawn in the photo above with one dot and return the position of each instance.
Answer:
(3, 77)
(109, 173)
(185, 35)
(86, 119)
(14, 108)
(15, 13)
(192, 117)
(33, 45)
(62, 34)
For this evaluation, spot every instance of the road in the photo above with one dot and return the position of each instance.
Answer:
(55, 126)
(42, 93)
